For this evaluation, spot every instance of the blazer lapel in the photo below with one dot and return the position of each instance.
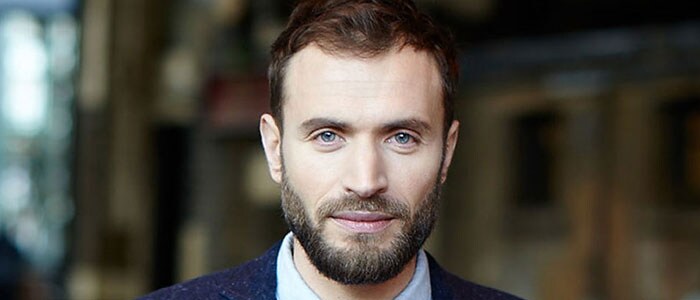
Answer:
(256, 279)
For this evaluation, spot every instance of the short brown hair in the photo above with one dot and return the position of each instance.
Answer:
(363, 28)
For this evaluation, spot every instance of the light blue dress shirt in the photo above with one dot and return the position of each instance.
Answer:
(290, 285)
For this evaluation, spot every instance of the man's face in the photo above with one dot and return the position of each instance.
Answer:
(362, 159)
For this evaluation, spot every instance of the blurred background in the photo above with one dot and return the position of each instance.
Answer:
(130, 159)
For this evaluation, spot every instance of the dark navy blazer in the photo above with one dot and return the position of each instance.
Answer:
(257, 279)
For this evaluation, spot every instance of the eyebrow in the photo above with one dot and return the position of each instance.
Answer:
(412, 124)
(316, 123)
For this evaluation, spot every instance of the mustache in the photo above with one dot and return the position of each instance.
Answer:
(382, 204)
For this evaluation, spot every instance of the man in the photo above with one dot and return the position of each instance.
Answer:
(360, 138)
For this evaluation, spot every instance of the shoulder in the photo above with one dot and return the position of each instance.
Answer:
(255, 279)
(446, 285)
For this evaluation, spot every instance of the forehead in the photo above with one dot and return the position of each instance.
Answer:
(400, 83)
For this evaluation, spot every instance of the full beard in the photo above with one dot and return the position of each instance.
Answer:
(365, 261)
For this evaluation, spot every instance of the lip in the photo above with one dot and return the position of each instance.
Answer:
(362, 221)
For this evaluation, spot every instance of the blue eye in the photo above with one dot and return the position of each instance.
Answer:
(327, 136)
(403, 138)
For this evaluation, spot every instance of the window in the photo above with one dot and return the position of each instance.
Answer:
(38, 57)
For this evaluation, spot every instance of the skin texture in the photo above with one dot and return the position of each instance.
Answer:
(360, 129)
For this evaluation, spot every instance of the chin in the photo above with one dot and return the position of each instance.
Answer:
(362, 241)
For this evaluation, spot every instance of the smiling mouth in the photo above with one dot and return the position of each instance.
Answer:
(362, 221)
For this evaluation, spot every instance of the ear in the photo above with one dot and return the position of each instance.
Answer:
(450, 145)
(272, 143)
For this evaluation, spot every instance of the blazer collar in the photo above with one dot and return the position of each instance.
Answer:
(257, 279)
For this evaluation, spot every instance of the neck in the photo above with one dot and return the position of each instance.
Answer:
(327, 288)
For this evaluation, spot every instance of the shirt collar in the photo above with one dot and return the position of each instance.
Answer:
(290, 285)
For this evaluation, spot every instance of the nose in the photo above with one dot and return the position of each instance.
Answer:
(366, 172)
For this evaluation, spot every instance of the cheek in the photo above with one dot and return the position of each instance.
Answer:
(413, 177)
(312, 174)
